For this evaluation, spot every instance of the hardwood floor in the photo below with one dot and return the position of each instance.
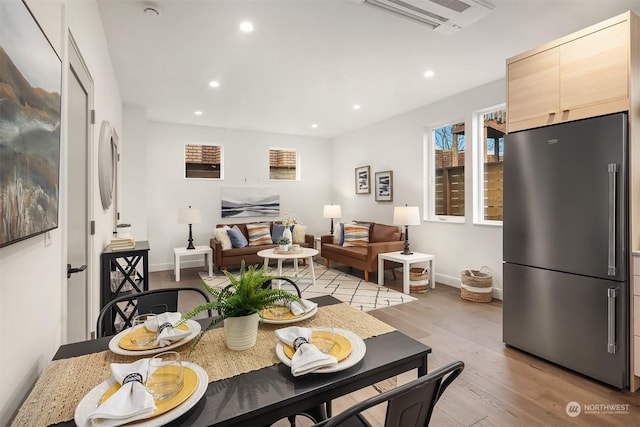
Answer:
(500, 386)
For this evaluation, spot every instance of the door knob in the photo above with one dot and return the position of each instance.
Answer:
(71, 270)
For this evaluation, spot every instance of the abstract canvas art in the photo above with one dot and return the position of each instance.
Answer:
(249, 202)
(30, 86)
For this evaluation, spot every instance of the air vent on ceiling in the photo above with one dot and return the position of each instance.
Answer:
(445, 16)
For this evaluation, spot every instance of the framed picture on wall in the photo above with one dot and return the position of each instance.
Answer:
(363, 180)
(31, 73)
(384, 186)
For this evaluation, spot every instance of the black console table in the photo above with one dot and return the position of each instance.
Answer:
(124, 262)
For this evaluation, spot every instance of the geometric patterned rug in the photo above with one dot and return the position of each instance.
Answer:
(362, 295)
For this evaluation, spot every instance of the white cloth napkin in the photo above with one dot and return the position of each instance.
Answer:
(307, 357)
(298, 309)
(170, 334)
(130, 403)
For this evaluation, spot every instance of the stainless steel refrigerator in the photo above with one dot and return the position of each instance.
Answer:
(566, 249)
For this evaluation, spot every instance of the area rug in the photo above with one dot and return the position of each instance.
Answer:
(356, 292)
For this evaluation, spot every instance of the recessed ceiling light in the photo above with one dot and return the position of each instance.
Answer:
(214, 83)
(246, 27)
(429, 73)
(198, 113)
(356, 107)
(315, 125)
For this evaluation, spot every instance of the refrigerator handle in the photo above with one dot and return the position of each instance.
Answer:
(611, 320)
(613, 171)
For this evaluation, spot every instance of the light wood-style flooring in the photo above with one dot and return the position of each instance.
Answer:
(500, 386)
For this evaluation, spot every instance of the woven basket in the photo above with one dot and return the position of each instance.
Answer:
(472, 294)
(477, 278)
(419, 280)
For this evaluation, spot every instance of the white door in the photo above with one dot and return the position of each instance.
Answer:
(78, 234)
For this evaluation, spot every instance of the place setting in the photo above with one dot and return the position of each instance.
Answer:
(154, 333)
(289, 312)
(150, 392)
(319, 348)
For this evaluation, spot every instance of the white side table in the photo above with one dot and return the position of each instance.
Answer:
(406, 261)
(199, 250)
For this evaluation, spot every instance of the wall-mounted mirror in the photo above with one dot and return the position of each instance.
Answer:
(107, 157)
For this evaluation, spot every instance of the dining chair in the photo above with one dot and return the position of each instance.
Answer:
(410, 404)
(118, 313)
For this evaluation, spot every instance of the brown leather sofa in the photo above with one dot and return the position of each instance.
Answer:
(382, 238)
(223, 259)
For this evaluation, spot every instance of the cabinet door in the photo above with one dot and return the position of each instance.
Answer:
(533, 90)
(594, 73)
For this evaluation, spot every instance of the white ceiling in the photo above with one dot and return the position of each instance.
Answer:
(309, 61)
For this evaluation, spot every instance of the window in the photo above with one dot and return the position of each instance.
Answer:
(203, 161)
(447, 151)
(283, 164)
(489, 128)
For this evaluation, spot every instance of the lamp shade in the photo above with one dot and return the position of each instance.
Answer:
(406, 215)
(189, 216)
(332, 211)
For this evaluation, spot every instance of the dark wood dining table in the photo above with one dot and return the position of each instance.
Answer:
(266, 395)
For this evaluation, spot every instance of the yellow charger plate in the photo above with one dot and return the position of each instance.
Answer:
(126, 344)
(341, 350)
(266, 314)
(162, 406)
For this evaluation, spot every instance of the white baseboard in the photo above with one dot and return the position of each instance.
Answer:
(183, 264)
(454, 282)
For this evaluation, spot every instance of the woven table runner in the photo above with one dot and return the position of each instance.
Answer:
(65, 382)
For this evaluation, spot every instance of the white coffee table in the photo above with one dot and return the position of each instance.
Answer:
(305, 253)
(199, 250)
(406, 261)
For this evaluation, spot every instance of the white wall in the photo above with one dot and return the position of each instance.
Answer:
(397, 144)
(160, 166)
(32, 272)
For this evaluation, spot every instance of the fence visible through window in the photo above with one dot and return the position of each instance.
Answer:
(493, 157)
(449, 190)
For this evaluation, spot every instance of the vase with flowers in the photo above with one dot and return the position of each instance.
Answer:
(289, 221)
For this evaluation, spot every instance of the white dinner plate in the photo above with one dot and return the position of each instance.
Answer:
(307, 315)
(90, 401)
(359, 348)
(114, 344)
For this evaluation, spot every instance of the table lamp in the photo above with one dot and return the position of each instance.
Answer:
(332, 211)
(189, 216)
(406, 215)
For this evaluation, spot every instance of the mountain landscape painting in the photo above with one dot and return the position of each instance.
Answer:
(249, 202)
(30, 86)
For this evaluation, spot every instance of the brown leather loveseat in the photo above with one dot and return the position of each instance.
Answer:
(231, 257)
(364, 256)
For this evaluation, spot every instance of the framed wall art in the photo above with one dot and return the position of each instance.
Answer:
(249, 202)
(29, 127)
(363, 180)
(384, 186)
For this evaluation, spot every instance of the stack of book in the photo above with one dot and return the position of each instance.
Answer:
(121, 243)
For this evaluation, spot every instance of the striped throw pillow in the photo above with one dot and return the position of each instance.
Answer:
(356, 235)
(259, 234)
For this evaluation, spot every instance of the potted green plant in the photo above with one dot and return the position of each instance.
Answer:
(283, 243)
(239, 305)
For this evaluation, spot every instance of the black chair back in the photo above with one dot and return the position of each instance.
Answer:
(118, 313)
(410, 404)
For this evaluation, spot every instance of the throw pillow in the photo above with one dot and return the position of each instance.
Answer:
(356, 235)
(237, 238)
(277, 231)
(259, 234)
(221, 234)
(338, 234)
(299, 232)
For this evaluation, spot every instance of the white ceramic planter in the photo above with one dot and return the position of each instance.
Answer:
(241, 333)
(124, 232)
